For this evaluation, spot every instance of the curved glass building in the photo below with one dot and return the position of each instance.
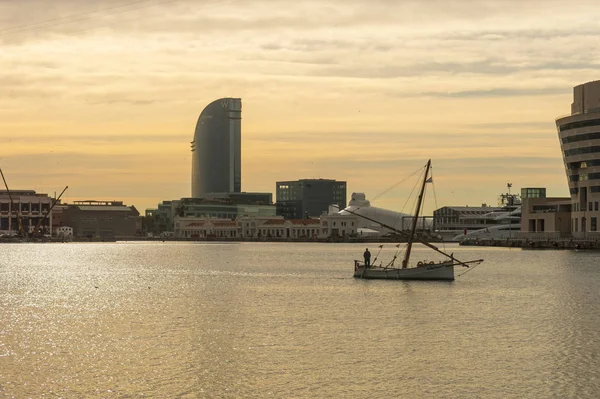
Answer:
(579, 135)
(216, 149)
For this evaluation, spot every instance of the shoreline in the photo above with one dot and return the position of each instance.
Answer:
(566, 243)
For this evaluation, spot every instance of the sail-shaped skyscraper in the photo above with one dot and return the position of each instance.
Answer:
(216, 149)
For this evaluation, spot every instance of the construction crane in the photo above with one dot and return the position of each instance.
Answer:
(21, 231)
(36, 231)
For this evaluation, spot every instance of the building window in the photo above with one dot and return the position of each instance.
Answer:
(590, 206)
(596, 205)
(593, 224)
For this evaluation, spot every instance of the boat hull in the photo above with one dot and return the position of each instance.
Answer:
(429, 271)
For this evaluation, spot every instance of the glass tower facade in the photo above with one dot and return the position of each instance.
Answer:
(217, 149)
(309, 197)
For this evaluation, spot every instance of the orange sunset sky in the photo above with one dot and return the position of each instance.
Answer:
(103, 96)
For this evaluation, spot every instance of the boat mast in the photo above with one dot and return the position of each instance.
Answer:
(416, 218)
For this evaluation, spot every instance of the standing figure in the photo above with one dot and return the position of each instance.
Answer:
(367, 256)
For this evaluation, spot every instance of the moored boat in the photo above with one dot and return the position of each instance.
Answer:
(423, 270)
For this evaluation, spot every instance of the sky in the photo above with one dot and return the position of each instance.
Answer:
(104, 96)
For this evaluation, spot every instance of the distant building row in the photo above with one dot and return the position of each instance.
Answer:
(266, 228)
(577, 216)
(301, 199)
(217, 173)
(27, 213)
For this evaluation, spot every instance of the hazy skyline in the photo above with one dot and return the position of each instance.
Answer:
(103, 96)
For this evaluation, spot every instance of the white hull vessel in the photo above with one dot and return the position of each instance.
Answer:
(427, 271)
(443, 270)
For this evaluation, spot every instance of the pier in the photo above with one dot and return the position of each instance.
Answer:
(562, 243)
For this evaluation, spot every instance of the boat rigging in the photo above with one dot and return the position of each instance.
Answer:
(443, 270)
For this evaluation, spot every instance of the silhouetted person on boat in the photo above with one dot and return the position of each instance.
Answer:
(367, 256)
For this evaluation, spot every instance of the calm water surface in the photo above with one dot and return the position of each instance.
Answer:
(250, 320)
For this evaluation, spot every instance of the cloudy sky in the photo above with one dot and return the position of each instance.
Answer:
(103, 96)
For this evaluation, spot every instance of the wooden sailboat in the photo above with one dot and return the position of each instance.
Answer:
(423, 270)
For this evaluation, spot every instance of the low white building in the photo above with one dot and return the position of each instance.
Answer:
(202, 228)
(64, 233)
(249, 227)
(260, 227)
(339, 225)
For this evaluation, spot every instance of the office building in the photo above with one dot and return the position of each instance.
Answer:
(309, 197)
(225, 206)
(216, 149)
(579, 135)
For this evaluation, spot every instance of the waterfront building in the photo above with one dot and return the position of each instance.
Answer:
(161, 219)
(27, 210)
(226, 206)
(57, 216)
(216, 149)
(291, 229)
(307, 198)
(107, 220)
(204, 228)
(336, 225)
(64, 233)
(223, 208)
(259, 228)
(544, 217)
(579, 135)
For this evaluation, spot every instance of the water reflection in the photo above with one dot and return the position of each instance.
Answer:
(282, 320)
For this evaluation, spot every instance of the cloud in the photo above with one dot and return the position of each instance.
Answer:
(500, 92)
(327, 85)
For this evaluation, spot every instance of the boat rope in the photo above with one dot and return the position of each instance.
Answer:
(395, 185)
(400, 216)
(376, 256)
(390, 265)
(468, 270)
(436, 205)
(415, 199)
(420, 170)
(399, 252)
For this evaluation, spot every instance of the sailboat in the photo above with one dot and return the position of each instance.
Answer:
(423, 270)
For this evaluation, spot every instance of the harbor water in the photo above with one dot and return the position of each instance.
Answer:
(280, 320)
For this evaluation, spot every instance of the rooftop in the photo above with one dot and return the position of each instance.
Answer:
(94, 202)
(112, 208)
